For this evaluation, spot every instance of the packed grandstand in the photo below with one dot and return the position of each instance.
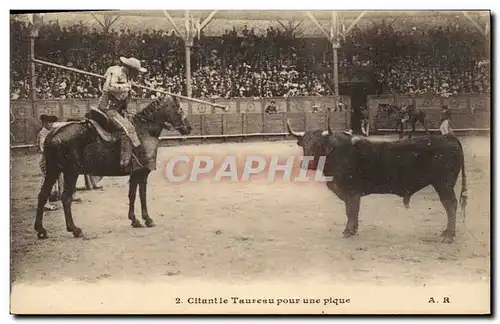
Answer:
(447, 60)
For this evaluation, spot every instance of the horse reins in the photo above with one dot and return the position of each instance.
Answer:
(162, 124)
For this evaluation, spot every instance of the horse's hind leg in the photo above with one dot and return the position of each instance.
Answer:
(49, 181)
(422, 121)
(132, 191)
(70, 178)
(143, 182)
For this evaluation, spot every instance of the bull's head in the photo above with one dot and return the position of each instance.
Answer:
(315, 143)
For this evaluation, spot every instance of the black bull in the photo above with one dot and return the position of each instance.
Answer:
(360, 167)
(78, 148)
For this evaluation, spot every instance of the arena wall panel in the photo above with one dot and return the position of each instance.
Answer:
(274, 123)
(200, 108)
(18, 132)
(338, 121)
(250, 105)
(316, 121)
(297, 121)
(73, 109)
(21, 108)
(253, 123)
(246, 115)
(299, 105)
(48, 107)
(196, 123)
(212, 124)
(232, 105)
(233, 123)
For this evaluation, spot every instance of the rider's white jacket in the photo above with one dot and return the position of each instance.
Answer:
(117, 82)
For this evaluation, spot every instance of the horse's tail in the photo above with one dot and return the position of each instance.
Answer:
(58, 146)
(53, 151)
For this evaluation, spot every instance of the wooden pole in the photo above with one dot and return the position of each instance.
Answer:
(188, 42)
(189, 89)
(335, 71)
(335, 45)
(134, 84)
(33, 75)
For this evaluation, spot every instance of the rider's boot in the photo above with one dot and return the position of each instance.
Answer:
(125, 150)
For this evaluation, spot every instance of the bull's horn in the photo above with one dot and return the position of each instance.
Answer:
(296, 134)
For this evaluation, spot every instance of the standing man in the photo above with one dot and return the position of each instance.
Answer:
(47, 122)
(445, 127)
(365, 121)
(114, 101)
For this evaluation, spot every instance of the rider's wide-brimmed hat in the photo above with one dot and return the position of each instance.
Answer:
(133, 63)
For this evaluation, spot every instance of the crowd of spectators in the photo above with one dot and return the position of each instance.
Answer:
(446, 60)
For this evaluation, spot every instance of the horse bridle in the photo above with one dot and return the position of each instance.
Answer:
(165, 125)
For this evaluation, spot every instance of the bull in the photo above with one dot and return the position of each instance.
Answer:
(359, 167)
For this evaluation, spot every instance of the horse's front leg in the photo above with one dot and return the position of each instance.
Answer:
(412, 129)
(132, 190)
(401, 130)
(142, 194)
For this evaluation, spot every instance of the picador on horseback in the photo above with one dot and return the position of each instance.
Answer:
(114, 101)
(91, 146)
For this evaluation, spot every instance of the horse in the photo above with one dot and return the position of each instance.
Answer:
(90, 181)
(92, 147)
(406, 113)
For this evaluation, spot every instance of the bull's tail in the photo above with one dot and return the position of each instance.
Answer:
(464, 192)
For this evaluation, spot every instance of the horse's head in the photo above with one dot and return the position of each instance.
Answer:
(167, 109)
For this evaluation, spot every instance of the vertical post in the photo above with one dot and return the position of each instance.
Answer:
(335, 71)
(188, 70)
(188, 42)
(33, 75)
(334, 39)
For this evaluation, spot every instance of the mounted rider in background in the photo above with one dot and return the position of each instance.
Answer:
(114, 101)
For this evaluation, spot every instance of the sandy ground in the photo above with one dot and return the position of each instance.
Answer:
(248, 232)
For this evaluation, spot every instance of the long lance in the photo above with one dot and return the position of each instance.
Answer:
(225, 108)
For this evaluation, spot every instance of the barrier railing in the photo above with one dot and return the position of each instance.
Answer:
(244, 116)
(247, 116)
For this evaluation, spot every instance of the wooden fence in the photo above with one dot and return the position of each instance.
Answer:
(246, 116)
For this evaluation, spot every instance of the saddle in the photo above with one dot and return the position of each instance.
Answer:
(103, 126)
(99, 121)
